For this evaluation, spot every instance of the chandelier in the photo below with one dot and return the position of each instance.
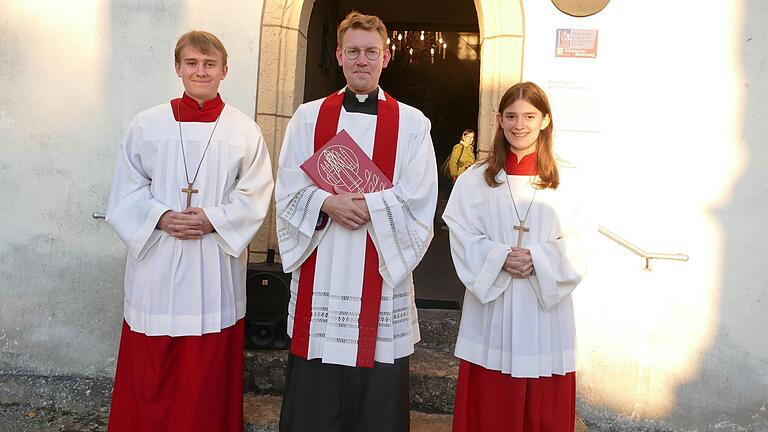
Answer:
(419, 45)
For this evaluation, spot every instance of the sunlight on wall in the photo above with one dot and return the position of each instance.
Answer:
(642, 334)
(655, 121)
(66, 42)
(56, 60)
(669, 152)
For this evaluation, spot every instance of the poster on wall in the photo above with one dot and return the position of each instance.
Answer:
(576, 43)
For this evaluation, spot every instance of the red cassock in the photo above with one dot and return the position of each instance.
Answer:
(490, 401)
(181, 383)
(184, 383)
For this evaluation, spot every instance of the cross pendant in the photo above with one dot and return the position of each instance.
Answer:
(189, 191)
(520, 230)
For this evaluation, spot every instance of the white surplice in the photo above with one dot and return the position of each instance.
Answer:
(188, 287)
(400, 226)
(521, 327)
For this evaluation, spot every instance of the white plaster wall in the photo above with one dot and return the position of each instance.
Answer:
(669, 120)
(72, 74)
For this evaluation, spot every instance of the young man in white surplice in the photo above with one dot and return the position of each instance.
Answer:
(191, 188)
(520, 240)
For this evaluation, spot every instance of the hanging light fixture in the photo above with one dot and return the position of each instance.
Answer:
(420, 45)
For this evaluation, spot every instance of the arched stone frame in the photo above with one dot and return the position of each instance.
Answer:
(280, 86)
(282, 60)
(502, 35)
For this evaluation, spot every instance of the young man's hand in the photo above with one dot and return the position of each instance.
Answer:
(191, 224)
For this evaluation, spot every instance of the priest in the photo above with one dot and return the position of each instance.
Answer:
(191, 188)
(352, 316)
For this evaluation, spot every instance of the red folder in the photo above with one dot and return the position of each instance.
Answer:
(341, 162)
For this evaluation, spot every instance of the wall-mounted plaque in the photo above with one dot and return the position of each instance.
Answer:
(580, 8)
(576, 43)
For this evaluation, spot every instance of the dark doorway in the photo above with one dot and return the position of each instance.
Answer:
(443, 85)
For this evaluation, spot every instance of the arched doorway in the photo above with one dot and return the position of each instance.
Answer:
(282, 66)
(282, 60)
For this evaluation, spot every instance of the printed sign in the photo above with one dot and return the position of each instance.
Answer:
(576, 43)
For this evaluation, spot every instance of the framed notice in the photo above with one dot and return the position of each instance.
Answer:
(576, 43)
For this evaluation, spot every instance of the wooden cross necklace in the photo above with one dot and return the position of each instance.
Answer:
(521, 228)
(189, 190)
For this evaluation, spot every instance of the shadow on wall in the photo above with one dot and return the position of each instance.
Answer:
(734, 371)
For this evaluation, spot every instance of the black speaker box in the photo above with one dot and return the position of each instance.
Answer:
(266, 316)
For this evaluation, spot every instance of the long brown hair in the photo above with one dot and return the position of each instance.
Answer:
(549, 177)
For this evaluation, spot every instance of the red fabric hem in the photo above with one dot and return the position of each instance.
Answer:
(175, 384)
(489, 401)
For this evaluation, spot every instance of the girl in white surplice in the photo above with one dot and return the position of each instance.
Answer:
(520, 241)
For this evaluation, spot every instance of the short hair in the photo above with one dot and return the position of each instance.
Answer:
(201, 41)
(356, 20)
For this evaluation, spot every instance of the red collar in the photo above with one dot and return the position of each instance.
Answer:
(186, 109)
(527, 166)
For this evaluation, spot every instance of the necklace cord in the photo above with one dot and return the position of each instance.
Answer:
(511, 195)
(183, 152)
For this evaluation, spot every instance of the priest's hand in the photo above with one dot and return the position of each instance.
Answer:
(519, 263)
(182, 225)
(362, 205)
(346, 209)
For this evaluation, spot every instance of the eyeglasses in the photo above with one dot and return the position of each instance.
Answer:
(371, 53)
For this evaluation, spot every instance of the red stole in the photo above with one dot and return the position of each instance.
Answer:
(384, 152)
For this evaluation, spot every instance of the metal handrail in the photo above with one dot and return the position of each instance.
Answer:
(643, 254)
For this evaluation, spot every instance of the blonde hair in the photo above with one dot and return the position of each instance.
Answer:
(201, 41)
(356, 20)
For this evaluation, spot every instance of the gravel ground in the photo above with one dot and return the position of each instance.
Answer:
(21, 418)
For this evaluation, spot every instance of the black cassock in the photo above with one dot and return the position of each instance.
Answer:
(333, 398)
